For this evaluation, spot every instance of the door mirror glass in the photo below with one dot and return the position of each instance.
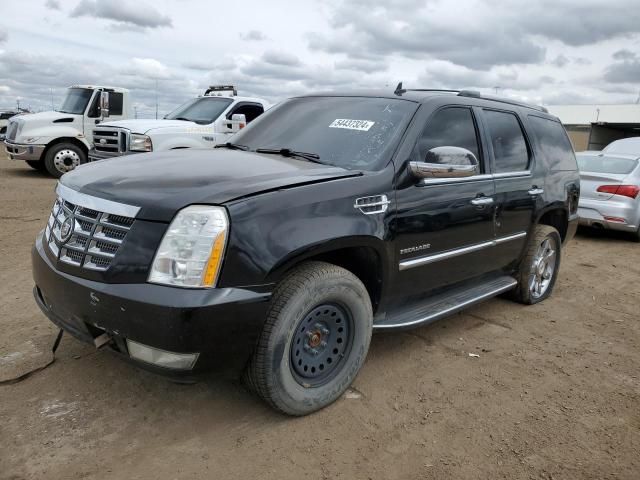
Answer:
(446, 162)
(104, 104)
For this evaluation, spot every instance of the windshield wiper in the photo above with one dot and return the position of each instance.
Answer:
(232, 146)
(287, 152)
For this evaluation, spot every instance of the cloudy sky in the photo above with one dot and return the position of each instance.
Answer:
(544, 51)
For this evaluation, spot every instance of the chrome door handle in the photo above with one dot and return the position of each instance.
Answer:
(482, 201)
(536, 191)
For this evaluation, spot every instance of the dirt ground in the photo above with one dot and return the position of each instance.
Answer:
(555, 393)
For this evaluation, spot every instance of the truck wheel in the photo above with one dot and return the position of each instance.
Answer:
(62, 158)
(35, 164)
(539, 268)
(314, 341)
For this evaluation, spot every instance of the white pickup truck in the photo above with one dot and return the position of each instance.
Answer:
(202, 122)
(59, 141)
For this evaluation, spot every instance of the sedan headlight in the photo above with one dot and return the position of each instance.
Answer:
(140, 143)
(191, 251)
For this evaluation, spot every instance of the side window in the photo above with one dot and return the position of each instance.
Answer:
(509, 146)
(554, 143)
(250, 110)
(115, 103)
(450, 127)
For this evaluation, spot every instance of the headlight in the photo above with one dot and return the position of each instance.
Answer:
(191, 251)
(140, 143)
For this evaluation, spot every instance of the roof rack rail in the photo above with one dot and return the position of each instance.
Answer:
(472, 94)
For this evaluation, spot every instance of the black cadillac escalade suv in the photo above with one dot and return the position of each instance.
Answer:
(329, 217)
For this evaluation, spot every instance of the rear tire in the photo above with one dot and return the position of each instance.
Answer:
(36, 164)
(314, 341)
(62, 158)
(539, 268)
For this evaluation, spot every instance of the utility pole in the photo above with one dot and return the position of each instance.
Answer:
(51, 90)
(18, 103)
(497, 89)
(135, 112)
(638, 99)
(156, 98)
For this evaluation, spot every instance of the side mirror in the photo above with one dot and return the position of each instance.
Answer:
(104, 104)
(446, 162)
(238, 122)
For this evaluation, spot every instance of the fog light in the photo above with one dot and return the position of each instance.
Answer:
(161, 358)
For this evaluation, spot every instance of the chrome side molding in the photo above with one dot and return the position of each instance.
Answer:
(418, 262)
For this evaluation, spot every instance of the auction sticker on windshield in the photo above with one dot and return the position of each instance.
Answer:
(362, 125)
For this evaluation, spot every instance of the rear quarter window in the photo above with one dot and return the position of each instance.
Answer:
(553, 143)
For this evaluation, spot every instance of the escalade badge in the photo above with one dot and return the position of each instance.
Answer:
(66, 229)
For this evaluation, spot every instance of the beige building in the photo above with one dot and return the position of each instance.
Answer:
(593, 127)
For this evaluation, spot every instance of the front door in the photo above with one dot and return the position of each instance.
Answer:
(444, 226)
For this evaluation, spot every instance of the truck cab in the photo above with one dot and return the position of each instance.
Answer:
(58, 141)
(202, 122)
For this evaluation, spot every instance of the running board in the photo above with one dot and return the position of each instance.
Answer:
(445, 304)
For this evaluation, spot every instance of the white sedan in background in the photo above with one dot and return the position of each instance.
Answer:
(610, 191)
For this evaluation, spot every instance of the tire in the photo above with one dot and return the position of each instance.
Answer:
(35, 164)
(528, 277)
(62, 158)
(314, 341)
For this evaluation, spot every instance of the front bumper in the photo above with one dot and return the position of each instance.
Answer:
(95, 155)
(222, 325)
(593, 213)
(18, 151)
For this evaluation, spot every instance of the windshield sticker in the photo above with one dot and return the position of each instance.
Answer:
(361, 125)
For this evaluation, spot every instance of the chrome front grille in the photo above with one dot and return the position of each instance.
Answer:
(95, 236)
(110, 140)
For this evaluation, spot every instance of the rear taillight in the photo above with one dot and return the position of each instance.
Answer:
(630, 191)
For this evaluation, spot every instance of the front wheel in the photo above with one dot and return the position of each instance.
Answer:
(539, 268)
(35, 164)
(314, 341)
(62, 158)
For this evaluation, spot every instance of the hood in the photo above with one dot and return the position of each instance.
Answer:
(143, 126)
(161, 183)
(33, 120)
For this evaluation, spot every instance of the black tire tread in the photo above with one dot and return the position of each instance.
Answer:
(256, 375)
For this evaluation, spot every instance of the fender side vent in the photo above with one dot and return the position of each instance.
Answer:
(372, 205)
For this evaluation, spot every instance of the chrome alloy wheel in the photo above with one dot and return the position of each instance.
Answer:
(542, 268)
(66, 160)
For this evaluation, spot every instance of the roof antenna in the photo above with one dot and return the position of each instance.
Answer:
(399, 90)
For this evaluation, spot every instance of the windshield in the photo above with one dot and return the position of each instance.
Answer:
(76, 101)
(203, 110)
(606, 164)
(358, 133)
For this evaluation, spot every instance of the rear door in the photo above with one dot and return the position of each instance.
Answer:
(443, 226)
(516, 190)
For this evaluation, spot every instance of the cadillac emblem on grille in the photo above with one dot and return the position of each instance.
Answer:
(66, 229)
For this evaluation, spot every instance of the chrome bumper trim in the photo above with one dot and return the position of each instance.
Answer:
(18, 151)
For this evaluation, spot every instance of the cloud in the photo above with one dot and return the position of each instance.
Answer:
(253, 36)
(626, 69)
(362, 65)
(53, 5)
(4, 36)
(473, 34)
(390, 31)
(280, 58)
(138, 15)
(560, 61)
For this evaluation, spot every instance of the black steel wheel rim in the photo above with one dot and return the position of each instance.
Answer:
(321, 343)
